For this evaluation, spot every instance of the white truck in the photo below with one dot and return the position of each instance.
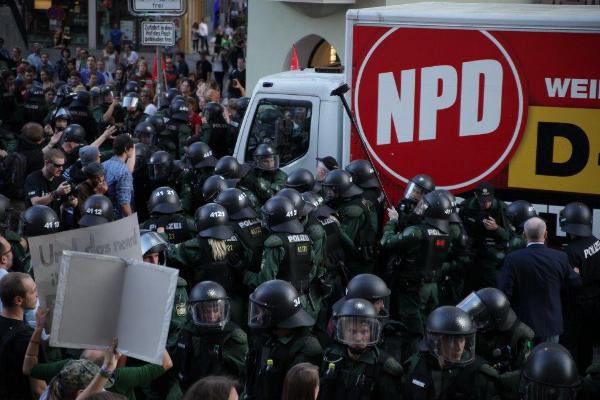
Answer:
(507, 93)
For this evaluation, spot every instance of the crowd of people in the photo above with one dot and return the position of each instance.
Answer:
(291, 286)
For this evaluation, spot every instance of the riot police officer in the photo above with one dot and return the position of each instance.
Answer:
(18, 244)
(357, 217)
(421, 251)
(135, 111)
(418, 186)
(583, 304)
(35, 108)
(485, 221)
(502, 338)
(281, 338)
(38, 220)
(60, 119)
(355, 367)
(154, 249)
(177, 130)
(158, 123)
(364, 176)
(209, 343)
(229, 168)
(302, 180)
(97, 209)
(241, 105)
(287, 253)
(245, 223)
(215, 131)
(446, 366)
(161, 171)
(550, 373)
(266, 178)
(212, 187)
(215, 254)
(201, 163)
(166, 212)
(73, 138)
(80, 114)
(517, 213)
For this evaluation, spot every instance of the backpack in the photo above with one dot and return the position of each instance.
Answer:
(12, 176)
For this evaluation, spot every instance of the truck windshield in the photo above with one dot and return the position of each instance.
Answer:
(285, 124)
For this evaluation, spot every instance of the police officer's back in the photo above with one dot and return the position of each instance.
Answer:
(215, 131)
(201, 163)
(364, 176)
(355, 367)
(230, 169)
(166, 212)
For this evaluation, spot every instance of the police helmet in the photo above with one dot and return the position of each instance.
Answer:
(269, 115)
(454, 217)
(266, 157)
(549, 373)
(171, 93)
(212, 221)
(106, 89)
(80, 99)
(236, 203)
(133, 100)
(316, 204)
(576, 219)
(131, 87)
(280, 215)
(213, 113)
(38, 220)
(489, 308)
(61, 114)
(179, 110)
(35, 94)
(367, 286)
(339, 184)
(436, 209)
(212, 187)
(357, 324)
(200, 155)
(96, 96)
(301, 179)
(297, 200)
(451, 336)
(230, 168)
(209, 305)
(518, 212)
(418, 186)
(363, 174)
(241, 105)
(144, 128)
(159, 166)
(152, 242)
(74, 133)
(63, 96)
(276, 303)
(164, 200)
(157, 122)
(97, 209)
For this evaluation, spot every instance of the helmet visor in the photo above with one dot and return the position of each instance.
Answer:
(452, 350)
(210, 314)
(414, 192)
(130, 101)
(268, 163)
(420, 207)
(259, 317)
(157, 172)
(473, 306)
(357, 331)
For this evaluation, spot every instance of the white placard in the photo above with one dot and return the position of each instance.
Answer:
(158, 33)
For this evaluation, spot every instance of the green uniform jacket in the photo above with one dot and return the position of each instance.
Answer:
(264, 184)
(191, 188)
(360, 225)
(348, 375)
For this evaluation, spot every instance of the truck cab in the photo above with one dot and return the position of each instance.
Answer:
(289, 110)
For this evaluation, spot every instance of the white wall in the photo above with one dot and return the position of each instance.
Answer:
(273, 26)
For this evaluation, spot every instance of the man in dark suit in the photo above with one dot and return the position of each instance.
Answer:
(532, 279)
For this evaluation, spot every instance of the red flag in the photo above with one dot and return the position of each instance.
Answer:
(155, 66)
(294, 65)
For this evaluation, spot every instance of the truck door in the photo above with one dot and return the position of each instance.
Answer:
(288, 123)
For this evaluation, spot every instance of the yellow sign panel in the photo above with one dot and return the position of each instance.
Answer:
(560, 151)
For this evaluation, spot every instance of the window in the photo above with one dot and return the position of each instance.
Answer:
(285, 124)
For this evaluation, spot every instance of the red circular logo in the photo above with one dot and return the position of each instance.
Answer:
(448, 103)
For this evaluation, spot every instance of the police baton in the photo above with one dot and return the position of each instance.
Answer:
(340, 91)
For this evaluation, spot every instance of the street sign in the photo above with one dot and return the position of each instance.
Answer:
(158, 33)
(157, 7)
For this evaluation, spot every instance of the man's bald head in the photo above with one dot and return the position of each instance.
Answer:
(535, 230)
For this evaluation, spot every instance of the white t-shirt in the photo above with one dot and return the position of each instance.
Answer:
(203, 29)
(133, 57)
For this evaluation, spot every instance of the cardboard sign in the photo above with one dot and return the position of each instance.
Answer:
(102, 297)
(120, 238)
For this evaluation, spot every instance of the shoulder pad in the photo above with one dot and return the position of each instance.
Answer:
(353, 211)
(239, 336)
(489, 371)
(593, 369)
(392, 367)
(192, 243)
(412, 231)
(273, 241)
(181, 282)
(524, 331)
(311, 346)
(316, 232)
(11, 236)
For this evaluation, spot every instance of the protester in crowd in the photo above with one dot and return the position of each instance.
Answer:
(92, 70)
(18, 293)
(181, 65)
(30, 144)
(142, 75)
(131, 56)
(195, 36)
(107, 75)
(301, 382)
(62, 72)
(35, 58)
(116, 36)
(147, 101)
(203, 33)
(81, 59)
(213, 388)
(532, 279)
(237, 78)
(118, 175)
(219, 67)
(110, 56)
(203, 67)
